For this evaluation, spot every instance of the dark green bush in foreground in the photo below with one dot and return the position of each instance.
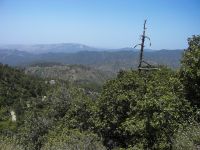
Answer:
(143, 109)
(190, 71)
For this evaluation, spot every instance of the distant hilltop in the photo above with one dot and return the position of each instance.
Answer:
(46, 48)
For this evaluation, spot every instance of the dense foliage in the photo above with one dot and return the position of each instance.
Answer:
(63, 138)
(144, 108)
(190, 70)
(17, 90)
(187, 138)
(136, 110)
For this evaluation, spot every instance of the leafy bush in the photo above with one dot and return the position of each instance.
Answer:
(187, 138)
(32, 132)
(190, 71)
(144, 109)
(63, 138)
(65, 105)
(7, 143)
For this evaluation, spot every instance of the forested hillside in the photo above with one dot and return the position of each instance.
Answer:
(74, 73)
(112, 61)
(147, 110)
(17, 91)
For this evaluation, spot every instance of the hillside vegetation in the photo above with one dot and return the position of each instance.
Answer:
(17, 91)
(75, 73)
(147, 110)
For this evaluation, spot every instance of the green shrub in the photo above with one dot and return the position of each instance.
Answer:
(64, 139)
(7, 143)
(187, 138)
(190, 71)
(144, 109)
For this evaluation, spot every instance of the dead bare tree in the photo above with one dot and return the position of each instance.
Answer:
(141, 59)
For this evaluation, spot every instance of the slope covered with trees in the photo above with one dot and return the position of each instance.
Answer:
(75, 73)
(136, 110)
(16, 92)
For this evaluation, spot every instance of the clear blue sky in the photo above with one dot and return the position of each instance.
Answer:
(99, 23)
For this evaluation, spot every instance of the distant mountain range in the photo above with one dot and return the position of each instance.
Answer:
(103, 59)
(60, 48)
(53, 48)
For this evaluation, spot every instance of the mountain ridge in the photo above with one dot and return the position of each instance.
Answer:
(112, 61)
(63, 47)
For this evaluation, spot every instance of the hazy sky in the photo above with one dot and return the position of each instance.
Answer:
(99, 23)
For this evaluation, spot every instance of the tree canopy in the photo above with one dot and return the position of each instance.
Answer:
(145, 109)
(190, 70)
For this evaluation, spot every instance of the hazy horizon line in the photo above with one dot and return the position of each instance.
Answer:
(91, 46)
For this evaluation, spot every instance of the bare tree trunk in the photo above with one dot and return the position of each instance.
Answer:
(142, 46)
